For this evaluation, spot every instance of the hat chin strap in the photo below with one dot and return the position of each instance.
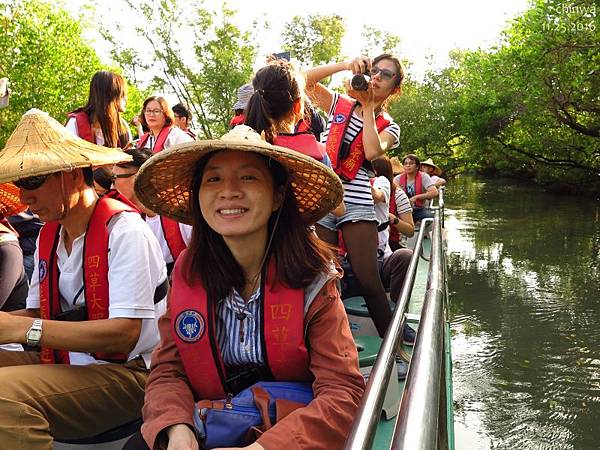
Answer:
(65, 200)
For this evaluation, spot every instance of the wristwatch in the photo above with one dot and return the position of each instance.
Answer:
(34, 334)
(396, 221)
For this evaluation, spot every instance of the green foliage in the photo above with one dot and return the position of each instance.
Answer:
(199, 55)
(314, 39)
(46, 59)
(376, 42)
(530, 106)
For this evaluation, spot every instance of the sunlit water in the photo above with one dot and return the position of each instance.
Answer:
(524, 280)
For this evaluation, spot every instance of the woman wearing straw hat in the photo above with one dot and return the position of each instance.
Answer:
(13, 282)
(256, 291)
(91, 311)
(434, 172)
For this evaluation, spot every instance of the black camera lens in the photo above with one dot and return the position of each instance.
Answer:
(359, 82)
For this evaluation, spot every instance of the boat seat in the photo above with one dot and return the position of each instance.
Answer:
(361, 323)
(368, 347)
(113, 438)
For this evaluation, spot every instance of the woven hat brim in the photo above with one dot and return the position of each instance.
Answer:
(437, 171)
(163, 183)
(40, 145)
(9, 200)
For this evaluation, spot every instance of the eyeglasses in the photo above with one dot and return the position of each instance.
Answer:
(383, 73)
(31, 183)
(114, 176)
(153, 112)
(409, 163)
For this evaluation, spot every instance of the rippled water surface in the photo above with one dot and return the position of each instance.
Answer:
(524, 281)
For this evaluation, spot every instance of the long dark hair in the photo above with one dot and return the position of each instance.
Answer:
(276, 87)
(106, 91)
(298, 253)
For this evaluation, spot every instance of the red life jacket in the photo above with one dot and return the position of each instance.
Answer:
(418, 187)
(84, 128)
(193, 325)
(173, 236)
(303, 142)
(95, 274)
(237, 120)
(160, 139)
(346, 166)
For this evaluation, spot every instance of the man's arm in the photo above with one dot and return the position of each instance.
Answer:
(110, 335)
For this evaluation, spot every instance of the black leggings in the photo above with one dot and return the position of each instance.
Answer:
(360, 239)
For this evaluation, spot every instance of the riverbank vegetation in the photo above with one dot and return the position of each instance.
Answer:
(529, 106)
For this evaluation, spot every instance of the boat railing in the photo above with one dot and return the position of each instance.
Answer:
(363, 430)
(420, 404)
(421, 422)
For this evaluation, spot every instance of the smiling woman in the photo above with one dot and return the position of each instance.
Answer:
(255, 291)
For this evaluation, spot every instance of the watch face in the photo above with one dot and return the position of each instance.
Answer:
(35, 335)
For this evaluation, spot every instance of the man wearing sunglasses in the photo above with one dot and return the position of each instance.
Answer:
(98, 286)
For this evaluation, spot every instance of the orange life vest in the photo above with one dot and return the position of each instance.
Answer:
(95, 273)
(84, 128)
(346, 161)
(160, 139)
(193, 326)
(403, 182)
(173, 237)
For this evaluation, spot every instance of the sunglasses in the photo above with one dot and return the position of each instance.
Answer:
(31, 183)
(114, 176)
(383, 73)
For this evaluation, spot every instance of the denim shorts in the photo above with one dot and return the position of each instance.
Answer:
(354, 213)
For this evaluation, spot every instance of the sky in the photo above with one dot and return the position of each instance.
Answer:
(428, 29)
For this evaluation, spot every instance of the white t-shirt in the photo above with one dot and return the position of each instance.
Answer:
(358, 190)
(135, 269)
(98, 136)
(175, 136)
(156, 227)
(381, 210)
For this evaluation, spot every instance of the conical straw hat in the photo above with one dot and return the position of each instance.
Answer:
(429, 162)
(40, 145)
(163, 183)
(9, 200)
(396, 165)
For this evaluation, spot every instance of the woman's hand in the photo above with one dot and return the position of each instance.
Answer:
(364, 97)
(181, 437)
(360, 64)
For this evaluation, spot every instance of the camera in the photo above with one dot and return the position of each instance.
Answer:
(360, 81)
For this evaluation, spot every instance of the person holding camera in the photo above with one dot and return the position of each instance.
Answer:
(99, 284)
(358, 130)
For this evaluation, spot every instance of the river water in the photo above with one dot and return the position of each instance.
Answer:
(524, 282)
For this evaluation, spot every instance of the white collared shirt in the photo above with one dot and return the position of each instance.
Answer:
(135, 269)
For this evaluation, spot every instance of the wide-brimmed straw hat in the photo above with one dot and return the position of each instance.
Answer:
(429, 162)
(243, 96)
(40, 145)
(396, 165)
(163, 184)
(9, 200)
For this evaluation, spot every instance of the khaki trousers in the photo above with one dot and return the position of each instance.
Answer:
(41, 401)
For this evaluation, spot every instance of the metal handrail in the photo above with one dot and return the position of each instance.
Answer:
(417, 422)
(364, 427)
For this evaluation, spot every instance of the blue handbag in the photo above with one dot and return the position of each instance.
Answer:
(241, 419)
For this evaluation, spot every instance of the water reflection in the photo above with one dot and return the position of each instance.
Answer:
(524, 274)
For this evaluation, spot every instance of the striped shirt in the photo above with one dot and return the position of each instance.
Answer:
(358, 190)
(233, 351)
